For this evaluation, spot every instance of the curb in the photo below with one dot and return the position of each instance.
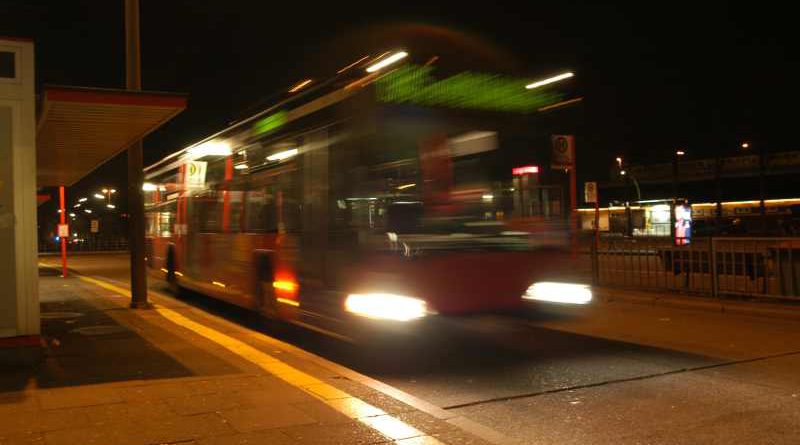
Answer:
(764, 310)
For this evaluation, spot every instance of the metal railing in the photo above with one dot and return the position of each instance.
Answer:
(758, 267)
(100, 245)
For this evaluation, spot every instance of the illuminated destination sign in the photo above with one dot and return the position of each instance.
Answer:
(417, 85)
(524, 170)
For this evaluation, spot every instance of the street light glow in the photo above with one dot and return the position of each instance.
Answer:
(83, 199)
(550, 80)
(111, 206)
(619, 161)
(387, 61)
(113, 191)
(680, 153)
(99, 196)
(745, 145)
(105, 190)
(87, 210)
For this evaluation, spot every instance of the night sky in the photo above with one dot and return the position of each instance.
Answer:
(656, 75)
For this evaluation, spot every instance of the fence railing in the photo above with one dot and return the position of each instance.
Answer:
(759, 267)
(110, 245)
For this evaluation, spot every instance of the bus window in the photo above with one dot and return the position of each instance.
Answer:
(207, 211)
(231, 203)
(260, 212)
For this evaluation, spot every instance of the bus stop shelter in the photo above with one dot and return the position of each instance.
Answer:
(76, 130)
(79, 129)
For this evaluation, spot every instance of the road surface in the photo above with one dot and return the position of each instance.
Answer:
(603, 374)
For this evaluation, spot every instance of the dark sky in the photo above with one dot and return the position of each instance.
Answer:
(656, 75)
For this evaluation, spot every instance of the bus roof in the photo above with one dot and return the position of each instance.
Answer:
(407, 83)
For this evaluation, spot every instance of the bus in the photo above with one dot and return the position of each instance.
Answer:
(376, 199)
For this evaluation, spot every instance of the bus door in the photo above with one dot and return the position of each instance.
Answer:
(314, 202)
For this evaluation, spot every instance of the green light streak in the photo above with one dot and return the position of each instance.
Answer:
(416, 85)
(269, 123)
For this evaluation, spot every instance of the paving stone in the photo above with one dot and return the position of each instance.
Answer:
(203, 403)
(322, 413)
(267, 437)
(71, 397)
(273, 416)
(348, 433)
(133, 411)
(178, 428)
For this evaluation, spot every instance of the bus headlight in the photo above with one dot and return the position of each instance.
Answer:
(559, 293)
(386, 306)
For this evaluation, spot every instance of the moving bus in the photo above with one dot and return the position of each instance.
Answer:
(377, 197)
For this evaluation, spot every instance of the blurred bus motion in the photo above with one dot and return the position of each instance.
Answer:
(381, 196)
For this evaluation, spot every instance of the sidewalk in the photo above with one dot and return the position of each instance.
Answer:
(786, 310)
(174, 374)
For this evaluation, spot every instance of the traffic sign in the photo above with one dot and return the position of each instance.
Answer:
(590, 192)
(63, 230)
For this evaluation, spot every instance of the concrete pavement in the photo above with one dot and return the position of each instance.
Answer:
(173, 374)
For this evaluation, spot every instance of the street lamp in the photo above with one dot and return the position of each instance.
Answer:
(745, 145)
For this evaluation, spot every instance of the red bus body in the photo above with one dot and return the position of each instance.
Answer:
(292, 211)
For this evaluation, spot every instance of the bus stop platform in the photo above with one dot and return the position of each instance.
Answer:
(175, 374)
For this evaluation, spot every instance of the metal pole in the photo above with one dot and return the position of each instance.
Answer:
(61, 219)
(133, 82)
(672, 216)
(762, 185)
(573, 207)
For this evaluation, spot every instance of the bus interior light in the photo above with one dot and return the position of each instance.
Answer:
(149, 187)
(549, 80)
(387, 61)
(240, 166)
(281, 155)
(385, 306)
(553, 292)
(211, 148)
(300, 86)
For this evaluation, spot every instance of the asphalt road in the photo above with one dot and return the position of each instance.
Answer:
(603, 374)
